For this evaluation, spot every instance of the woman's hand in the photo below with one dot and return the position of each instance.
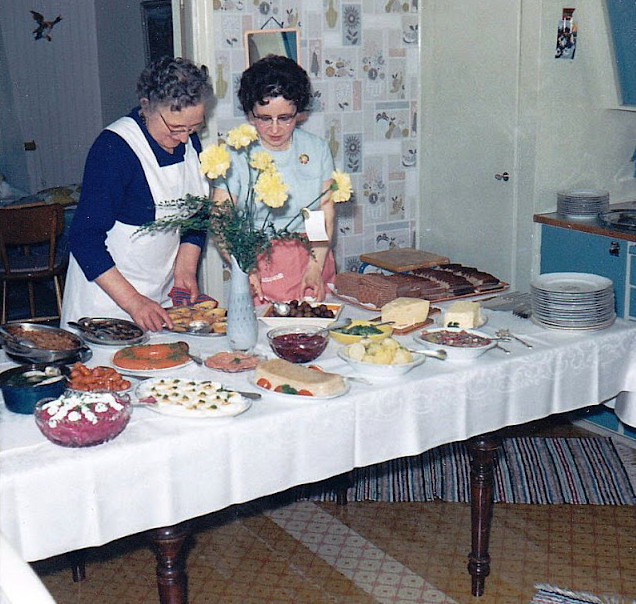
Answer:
(312, 279)
(149, 315)
(255, 285)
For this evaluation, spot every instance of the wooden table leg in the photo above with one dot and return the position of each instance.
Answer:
(78, 565)
(171, 576)
(482, 454)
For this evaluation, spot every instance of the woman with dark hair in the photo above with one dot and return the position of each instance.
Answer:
(139, 161)
(275, 93)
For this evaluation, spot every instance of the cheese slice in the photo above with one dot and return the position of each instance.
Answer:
(279, 372)
(463, 314)
(405, 312)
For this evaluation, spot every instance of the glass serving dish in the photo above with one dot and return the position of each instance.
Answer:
(82, 419)
(299, 344)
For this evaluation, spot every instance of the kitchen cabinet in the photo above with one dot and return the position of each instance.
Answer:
(581, 246)
(569, 245)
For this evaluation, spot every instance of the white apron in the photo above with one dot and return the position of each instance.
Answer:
(146, 260)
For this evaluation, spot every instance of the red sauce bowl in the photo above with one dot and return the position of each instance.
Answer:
(298, 344)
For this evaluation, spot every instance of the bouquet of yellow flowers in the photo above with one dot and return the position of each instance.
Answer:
(232, 225)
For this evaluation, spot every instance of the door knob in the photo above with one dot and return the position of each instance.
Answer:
(505, 176)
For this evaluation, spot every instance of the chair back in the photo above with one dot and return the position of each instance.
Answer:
(29, 225)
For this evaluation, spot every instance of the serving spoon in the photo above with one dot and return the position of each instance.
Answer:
(24, 343)
(435, 354)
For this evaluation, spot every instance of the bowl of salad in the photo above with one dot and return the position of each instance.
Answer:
(459, 344)
(357, 330)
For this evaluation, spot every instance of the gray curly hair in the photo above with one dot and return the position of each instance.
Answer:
(175, 82)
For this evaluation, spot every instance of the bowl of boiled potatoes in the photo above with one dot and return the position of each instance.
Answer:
(384, 359)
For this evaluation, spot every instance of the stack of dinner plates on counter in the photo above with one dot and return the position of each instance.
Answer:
(582, 203)
(572, 301)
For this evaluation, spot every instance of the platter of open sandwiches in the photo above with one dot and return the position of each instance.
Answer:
(201, 319)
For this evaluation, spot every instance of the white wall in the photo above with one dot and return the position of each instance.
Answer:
(582, 141)
(120, 53)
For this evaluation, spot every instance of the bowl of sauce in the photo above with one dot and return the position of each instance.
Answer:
(298, 344)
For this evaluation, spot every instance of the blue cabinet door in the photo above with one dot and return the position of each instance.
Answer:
(565, 250)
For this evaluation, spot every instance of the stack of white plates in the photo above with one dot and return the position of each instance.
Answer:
(577, 301)
(582, 203)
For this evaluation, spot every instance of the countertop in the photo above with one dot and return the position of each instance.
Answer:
(588, 225)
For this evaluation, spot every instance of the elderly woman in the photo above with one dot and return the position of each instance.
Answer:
(139, 161)
(275, 93)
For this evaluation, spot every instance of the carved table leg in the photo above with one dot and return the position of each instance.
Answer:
(482, 454)
(343, 482)
(78, 565)
(171, 576)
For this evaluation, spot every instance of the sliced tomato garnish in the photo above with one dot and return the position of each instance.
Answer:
(264, 383)
(305, 392)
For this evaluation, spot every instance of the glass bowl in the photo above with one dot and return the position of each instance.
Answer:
(298, 344)
(82, 419)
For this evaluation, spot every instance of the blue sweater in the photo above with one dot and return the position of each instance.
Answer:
(114, 188)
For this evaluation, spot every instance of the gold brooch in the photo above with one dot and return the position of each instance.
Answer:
(304, 158)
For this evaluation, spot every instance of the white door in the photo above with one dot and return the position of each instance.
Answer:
(55, 86)
(469, 100)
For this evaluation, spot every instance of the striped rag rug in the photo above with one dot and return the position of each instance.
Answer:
(548, 594)
(529, 470)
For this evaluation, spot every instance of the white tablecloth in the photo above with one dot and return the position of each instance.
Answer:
(162, 470)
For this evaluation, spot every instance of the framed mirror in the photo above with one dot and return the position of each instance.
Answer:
(259, 43)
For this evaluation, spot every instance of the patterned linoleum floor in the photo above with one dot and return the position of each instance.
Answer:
(369, 553)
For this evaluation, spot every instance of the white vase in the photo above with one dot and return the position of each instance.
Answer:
(242, 325)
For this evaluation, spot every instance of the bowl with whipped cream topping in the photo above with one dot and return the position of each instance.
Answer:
(82, 419)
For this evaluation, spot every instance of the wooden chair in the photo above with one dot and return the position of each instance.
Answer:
(21, 228)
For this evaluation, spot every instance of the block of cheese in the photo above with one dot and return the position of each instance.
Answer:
(463, 314)
(405, 312)
(279, 372)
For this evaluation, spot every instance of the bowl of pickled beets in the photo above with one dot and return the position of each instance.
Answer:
(298, 344)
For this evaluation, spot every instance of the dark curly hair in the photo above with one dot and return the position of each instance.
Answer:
(271, 77)
(175, 82)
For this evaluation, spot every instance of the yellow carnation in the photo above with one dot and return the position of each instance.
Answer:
(270, 189)
(341, 186)
(215, 161)
(241, 136)
(261, 160)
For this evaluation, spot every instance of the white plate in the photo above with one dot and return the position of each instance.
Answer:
(272, 321)
(300, 397)
(571, 283)
(175, 410)
(575, 328)
(456, 353)
(483, 319)
(376, 371)
(148, 372)
(210, 334)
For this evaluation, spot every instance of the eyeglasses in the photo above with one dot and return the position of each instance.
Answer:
(180, 130)
(282, 120)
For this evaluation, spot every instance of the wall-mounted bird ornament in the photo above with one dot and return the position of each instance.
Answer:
(43, 30)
